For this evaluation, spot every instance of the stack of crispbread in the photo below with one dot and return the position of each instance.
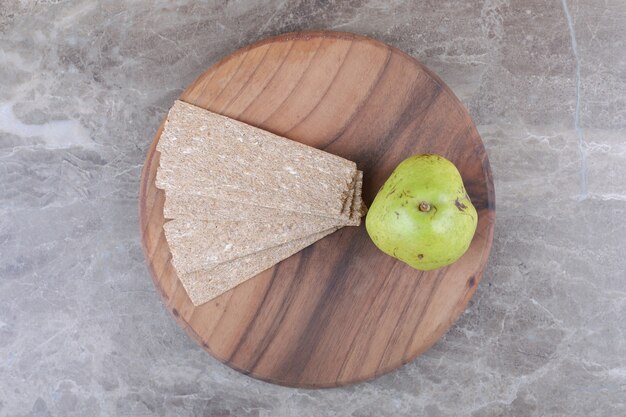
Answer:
(239, 199)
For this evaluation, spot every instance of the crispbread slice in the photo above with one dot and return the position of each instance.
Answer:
(357, 202)
(179, 175)
(347, 205)
(204, 285)
(198, 244)
(207, 154)
(188, 206)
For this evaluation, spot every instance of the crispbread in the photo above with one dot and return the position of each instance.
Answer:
(207, 154)
(188, 206)
(242, 199)
(357, 202)
(347, 205)
(198, 244)
(204, 285)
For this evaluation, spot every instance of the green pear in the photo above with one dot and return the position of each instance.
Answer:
(422, 215)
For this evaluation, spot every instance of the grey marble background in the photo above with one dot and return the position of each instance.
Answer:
(83, 87)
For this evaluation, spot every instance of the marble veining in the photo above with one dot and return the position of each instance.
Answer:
(579, 133)
(83, 87)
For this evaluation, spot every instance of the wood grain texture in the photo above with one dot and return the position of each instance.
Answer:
(340, 311)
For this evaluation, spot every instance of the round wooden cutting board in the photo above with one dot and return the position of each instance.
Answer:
(340, 311)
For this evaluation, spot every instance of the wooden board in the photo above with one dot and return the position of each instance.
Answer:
(339, 311)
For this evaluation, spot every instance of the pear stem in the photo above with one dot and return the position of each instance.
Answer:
(424, 206)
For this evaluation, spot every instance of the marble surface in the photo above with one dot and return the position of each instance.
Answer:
(83, 87)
